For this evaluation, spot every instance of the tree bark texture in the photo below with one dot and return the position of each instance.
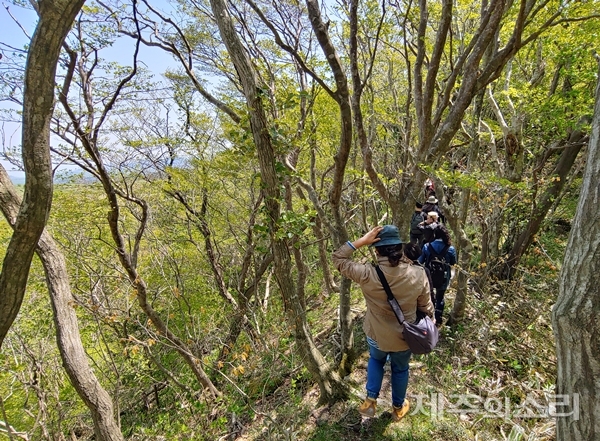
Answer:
(559, 176)
(331, 386)
(339, 232)
(575, 314)
(464, 244)
(439, 114)
(55, 20)
(72, 352)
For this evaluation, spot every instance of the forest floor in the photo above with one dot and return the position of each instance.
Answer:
(490, 378)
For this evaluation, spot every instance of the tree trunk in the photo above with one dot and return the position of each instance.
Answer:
(72, 352)
(331, 386)
(561, 171)
(338, 231)
(465, 247)
(575, 314)
(55, 20)
(440, 113)
(324, 259)
(462, 276)
(87, 134)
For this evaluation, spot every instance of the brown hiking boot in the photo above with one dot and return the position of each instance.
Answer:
(399, 412)
(368, 407)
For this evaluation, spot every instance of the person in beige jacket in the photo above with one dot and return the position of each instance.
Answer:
(410, 286)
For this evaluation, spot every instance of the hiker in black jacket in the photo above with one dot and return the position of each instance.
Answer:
(416, 233)
(431, 204)
(441, 246)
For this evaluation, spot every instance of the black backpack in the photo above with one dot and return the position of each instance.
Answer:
(437, 266)
(416, 219)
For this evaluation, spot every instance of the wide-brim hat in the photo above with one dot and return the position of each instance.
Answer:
(432, 200)
(388, 236)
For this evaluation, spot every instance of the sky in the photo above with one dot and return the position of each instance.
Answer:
(13, 35)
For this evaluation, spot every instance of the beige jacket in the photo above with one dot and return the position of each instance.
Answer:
(408, 284)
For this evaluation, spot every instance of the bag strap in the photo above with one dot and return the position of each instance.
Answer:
(390, 297)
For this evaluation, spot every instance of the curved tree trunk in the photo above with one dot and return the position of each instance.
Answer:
(324, 258)
(511, 170)
(330, 285)
(465, 247)
(331, 386)
(437, 120)
(338, 231)
(55, 20)
(575, 314)
(87, 132)
(561, 171)
(72, 352)
(128, 262)
(461, 273)
(521, 242)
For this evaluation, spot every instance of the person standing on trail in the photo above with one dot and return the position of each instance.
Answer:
(409, 285)
(431, 204)
(416, 233)
(429, 187)
(438, 256)
(428, 227)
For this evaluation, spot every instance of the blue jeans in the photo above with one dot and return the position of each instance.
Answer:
(399, 361)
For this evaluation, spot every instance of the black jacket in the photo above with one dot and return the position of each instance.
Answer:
(416, 219)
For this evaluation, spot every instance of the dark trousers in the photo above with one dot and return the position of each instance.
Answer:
(439, 303)
(416, 238)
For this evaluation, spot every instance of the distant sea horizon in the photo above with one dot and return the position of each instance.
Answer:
(17, 180)
(20, 179)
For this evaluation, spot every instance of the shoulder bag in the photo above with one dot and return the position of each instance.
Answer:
(421, 336)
